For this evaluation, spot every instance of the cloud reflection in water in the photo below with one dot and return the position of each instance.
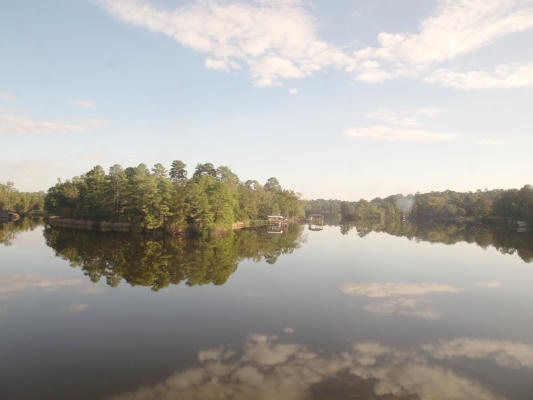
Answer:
(267, 368)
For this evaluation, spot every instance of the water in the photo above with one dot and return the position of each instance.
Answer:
(367, 312)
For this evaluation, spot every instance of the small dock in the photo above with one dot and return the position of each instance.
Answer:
(7, 216)
(276, 223)
(315, 222)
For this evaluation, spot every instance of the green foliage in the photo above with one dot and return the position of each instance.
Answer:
(23, 203)
(213, 197)
(511, 204)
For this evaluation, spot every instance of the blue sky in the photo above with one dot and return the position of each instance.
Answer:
(345, 99)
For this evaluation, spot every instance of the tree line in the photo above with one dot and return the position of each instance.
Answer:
(22, 203)
(159, 199)
(500, 204)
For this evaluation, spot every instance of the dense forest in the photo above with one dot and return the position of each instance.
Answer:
(512, 204)
(170, 200)
(22, 203)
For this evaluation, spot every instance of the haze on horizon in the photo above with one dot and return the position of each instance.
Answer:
(350, 100)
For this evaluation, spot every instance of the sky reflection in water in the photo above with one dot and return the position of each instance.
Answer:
(305, 314)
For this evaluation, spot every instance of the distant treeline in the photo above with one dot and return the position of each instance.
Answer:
(22, 203)
(510, 204)
(157, 199)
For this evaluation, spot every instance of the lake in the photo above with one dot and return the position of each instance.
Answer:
(375, 311)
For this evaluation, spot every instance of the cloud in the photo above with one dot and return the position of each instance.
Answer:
(76, 308)
(506, 354)
(293, 91)
(402, 306)
(404, 118)
(400, 298)
(506, 76)
(9, 110)
(83, 103)
(489, 142)
(382, 290)
(11, 123)
(458, 27)
(393, 134)
(275, 39)
(489, 284)
(7, 97)
(16, 282)
(293, 371)
(289, 330)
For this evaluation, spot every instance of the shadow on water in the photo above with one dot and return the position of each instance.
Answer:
(504, 240)
(146, 261)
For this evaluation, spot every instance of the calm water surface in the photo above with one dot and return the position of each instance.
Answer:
(369, 312)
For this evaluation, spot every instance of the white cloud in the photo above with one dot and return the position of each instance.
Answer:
(402, 306)
(294, 370)
(14, 123)
(15, 282)
(490, 142)
(388, 289)
(489, 284)
(278, 40)
(76, 308)
(293, 91)
(83, 103)
(393, 134)
(275, 39)
(404, 118)
(506, 76)
(7, 97)
(9, 110)
(458, 27)
(506, 354)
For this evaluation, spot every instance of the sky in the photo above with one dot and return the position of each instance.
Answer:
(345, 99)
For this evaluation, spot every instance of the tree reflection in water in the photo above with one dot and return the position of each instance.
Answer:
(10, 230)
(504, 240)
(146, 261)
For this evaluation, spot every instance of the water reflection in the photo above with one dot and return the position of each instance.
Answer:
(159, 262)
(10, 230)
(504, 240)
(274, 367)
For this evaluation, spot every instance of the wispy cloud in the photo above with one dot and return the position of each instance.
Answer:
(506, 76)
(7, 97)
(15, 282)
(504, 353)
(275, 39)
(392, 134)
(458, 27)
(489, 284)
(76, 308)
(83, 103)
(267, 368)
(388, 289)
(15, 123)
(405, 117)
(402, 306)
(293, 91)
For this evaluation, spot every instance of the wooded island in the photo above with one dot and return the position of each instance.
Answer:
(170, 201)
